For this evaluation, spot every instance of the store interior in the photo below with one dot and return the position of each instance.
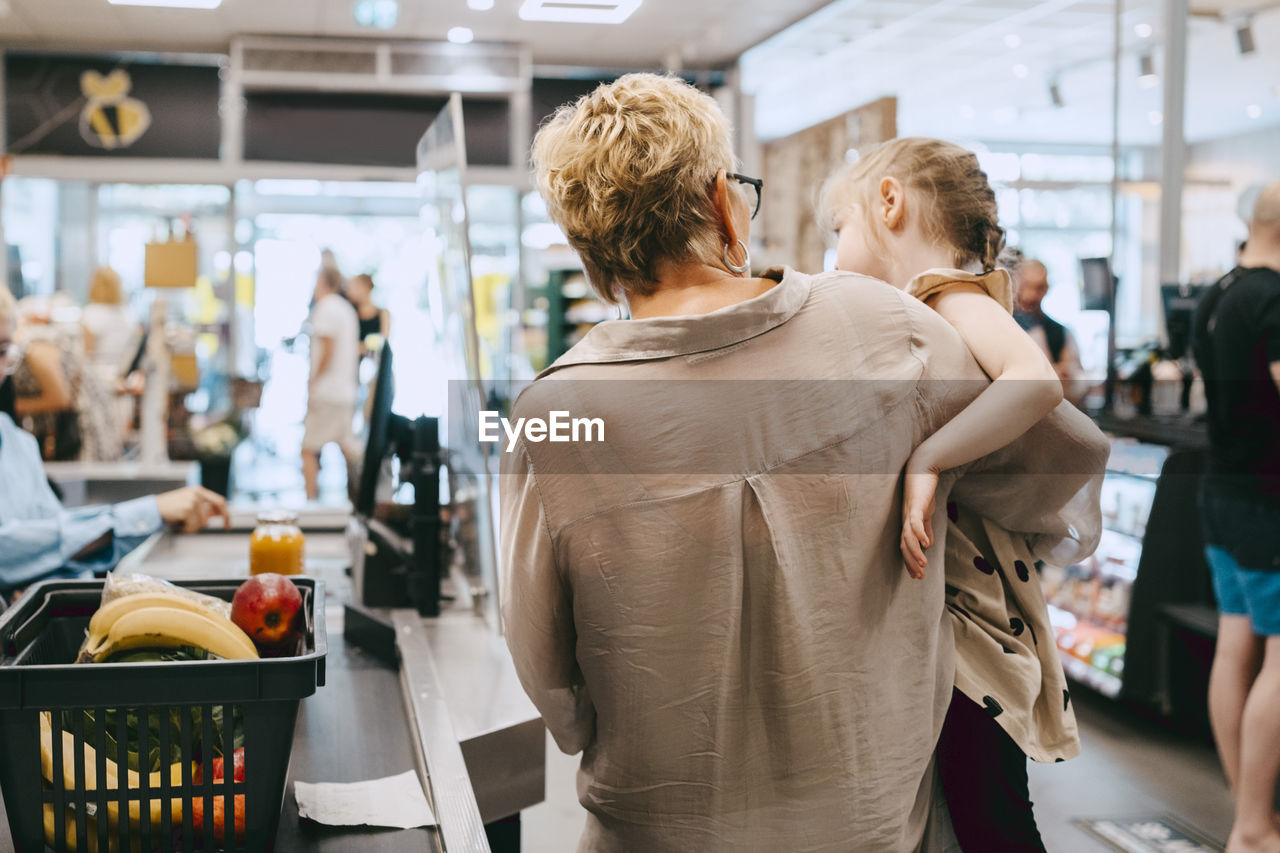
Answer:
(216, 154)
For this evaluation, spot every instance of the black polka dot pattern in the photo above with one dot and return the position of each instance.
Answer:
(1058, 760)
(993, 707)
(1066, 700)
(983, 566)
(1008, 651)
(1016, 626)
(953, 512)
(1020, 567)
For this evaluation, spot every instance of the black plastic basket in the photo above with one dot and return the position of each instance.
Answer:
(182, 702)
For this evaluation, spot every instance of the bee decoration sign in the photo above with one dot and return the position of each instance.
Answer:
(110, 118)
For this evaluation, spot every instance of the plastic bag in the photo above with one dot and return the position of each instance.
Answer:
(120, 585)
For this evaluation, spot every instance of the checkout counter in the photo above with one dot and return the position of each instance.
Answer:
(451, 708)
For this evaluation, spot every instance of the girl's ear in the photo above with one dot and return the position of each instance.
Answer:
(893, 203)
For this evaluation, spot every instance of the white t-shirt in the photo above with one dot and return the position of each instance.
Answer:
(334, 318)
(114, 329)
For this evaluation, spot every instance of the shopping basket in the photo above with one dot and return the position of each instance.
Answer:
(180, 715)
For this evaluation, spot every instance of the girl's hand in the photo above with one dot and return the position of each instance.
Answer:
(920, 485)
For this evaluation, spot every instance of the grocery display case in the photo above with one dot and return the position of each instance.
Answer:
(1089, 602)
(1137, 620)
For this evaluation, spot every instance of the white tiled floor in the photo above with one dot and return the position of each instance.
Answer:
(1130, 767)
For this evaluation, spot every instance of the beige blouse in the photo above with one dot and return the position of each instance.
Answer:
(710, 603)
(1006, 656)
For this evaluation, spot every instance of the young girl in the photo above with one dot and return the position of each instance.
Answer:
(920, 214)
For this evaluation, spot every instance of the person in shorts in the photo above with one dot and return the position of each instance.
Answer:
(331, 390)
(1237, 347)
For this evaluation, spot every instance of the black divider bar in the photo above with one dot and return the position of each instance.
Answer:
(166, 785)
(100, 776)
(230, 840)
(144, 784)
(206, 777)
(78, 797)
(123, 789)
(58, 782)
(188, 788)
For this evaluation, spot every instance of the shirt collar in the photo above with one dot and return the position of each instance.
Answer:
(666, 337)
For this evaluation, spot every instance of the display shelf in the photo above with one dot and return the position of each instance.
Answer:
(1091, 653)
(1087, 674)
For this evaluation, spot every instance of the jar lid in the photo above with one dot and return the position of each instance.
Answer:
(277, 516)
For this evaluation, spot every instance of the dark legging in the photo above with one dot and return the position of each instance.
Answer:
(984, 775)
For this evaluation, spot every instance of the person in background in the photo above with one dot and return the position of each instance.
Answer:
(373, 320)
(1031, 281)
(332, 389)
(1237, 347)
(110, 328)
(38, 538)
(60, 399)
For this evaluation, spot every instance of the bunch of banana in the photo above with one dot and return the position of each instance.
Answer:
(111, 782)
(156, 620)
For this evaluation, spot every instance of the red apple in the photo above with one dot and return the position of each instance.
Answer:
(266, 607)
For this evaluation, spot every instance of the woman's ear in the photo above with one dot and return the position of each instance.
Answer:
(893, 203)
(723, 204)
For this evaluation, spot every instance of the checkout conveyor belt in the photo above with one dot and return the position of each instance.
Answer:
(451, 708)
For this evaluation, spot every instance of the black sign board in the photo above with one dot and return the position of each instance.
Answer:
(110, 106)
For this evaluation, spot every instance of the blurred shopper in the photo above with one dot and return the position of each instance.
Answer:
(710, 604)
(373, 320)
(60, 400)
(1237, 347)
(331, 391)
(921, 215)
(110, 329)
(38, 538)
(1031, 279)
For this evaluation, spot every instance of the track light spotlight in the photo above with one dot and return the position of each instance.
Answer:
(1055, 95)
(1244, 37)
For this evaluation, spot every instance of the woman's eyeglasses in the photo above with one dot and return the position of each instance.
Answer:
(755, 183)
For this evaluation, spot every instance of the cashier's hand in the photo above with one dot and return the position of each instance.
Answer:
(190, 509)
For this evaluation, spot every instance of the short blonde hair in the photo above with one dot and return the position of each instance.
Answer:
(105, 287)
(626, 173)
(952, 192)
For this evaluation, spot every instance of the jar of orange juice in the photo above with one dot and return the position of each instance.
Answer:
(276, 544)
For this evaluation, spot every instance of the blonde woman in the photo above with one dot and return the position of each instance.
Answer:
(110, 329)
(707, 599)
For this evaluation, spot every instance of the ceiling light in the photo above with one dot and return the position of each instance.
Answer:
(1143, 31)
(578, 11)
(1147, 71)
(170, 4)
(480, 5)
(379, 14)
(1254, 111)
(1244, 36)
(461, 35)
(1155, 117)
(1013, 41)
(1021, 71)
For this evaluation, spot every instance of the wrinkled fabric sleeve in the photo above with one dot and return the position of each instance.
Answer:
(38, 548)
(537, 610)
(1045, 485)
